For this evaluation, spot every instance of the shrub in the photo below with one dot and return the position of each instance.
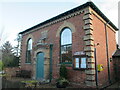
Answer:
(63, 71)
(62, 82)
(1, 65)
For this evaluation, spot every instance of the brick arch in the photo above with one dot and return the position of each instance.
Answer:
(30, 36)
(42, 50)
(65, 24)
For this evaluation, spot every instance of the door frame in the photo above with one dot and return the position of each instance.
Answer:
(46, 62)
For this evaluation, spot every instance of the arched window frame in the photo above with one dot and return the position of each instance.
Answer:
(65, 46)
(28, 51)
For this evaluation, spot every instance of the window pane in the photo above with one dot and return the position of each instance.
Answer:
(66, 36)
(76, 62)
(28, 57)
(30, 44)
(66, 53)
(63, 49)
(83, 62)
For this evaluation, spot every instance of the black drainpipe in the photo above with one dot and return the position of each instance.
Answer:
(96, 71)
(51, 50)
(108, 62)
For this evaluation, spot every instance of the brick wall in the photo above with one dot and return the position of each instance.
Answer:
(78, 44)
(100, 37)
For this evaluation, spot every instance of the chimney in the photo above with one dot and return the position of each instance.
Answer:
(119, 23)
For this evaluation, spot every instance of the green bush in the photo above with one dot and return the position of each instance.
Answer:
(63, 71)
(62, 81)
(1, 65)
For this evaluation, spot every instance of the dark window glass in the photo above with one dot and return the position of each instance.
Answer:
(29, 51)
(66, 45)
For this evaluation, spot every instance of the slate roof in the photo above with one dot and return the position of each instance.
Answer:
(91, 4)
(117, 53)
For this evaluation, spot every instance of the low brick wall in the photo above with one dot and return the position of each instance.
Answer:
(11, 71)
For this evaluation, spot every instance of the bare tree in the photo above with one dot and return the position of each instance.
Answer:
(3, 36)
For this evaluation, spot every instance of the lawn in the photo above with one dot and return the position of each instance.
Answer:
(15, 82)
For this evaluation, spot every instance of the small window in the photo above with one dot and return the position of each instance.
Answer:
(29, 51)
(80, 63)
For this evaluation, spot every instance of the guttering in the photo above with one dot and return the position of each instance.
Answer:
(107, 52)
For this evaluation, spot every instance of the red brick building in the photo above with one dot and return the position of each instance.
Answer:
(82, 38)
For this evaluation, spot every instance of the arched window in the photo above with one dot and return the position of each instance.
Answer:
(66, 45)
(29, 51)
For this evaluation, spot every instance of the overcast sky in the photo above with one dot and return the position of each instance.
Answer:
(19, 15)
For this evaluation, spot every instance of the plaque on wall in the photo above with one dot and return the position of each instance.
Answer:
(79, 53)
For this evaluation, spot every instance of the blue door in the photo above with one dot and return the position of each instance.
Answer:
(40, 66)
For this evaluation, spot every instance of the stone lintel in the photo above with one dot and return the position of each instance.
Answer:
(89, 43)
(90, 71)
(89, 48)
(89, 32)
(90, 77)
(87, 10)
(88, 37)
(90, 54)
(88, 21)
(89, 26)
(88, 16)
(91, 65)
(91, 60)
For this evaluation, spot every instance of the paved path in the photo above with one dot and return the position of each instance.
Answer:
(115, 85)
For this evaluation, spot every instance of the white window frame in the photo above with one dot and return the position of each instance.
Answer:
(80, 62)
